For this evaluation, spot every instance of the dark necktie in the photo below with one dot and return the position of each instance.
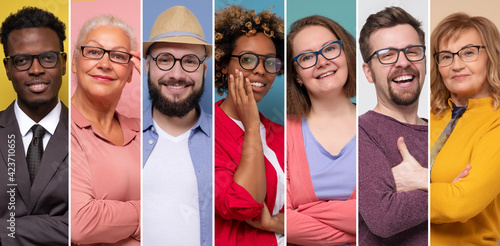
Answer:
(455, 115)
(35, 150)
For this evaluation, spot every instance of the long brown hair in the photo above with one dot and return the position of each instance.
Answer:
(298, 101)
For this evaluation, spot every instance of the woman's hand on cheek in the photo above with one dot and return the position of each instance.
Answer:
(241, 93)
(136, 59)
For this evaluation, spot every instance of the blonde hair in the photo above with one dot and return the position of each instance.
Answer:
(450, 28)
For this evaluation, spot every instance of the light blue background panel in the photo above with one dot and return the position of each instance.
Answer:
(203, 11)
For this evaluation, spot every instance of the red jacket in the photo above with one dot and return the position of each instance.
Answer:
(233, 204)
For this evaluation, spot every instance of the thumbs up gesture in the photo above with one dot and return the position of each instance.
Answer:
(409, 174)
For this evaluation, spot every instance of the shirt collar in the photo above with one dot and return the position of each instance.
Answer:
(473, 102)
(49, 122)
(203, 123)
(147, 117)
(234, 129)
(129, 126)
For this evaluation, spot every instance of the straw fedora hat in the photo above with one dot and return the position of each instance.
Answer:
(177, 25)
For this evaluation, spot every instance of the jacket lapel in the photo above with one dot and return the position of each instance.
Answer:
(9, 126)
(53, 156)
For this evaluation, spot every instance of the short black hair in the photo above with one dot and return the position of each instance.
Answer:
(29, 17)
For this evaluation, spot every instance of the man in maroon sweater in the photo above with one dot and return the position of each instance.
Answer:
(393, 182)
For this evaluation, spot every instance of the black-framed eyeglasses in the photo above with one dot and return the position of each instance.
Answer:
(249, 61)
(97, 53)
(47, 59)
(309, 59)
(466, 54)
(166, 61)
(388, 56)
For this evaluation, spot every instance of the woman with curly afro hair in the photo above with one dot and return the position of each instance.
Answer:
(249, 149)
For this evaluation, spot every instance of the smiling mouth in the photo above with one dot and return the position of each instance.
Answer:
(257, 84)
(176, 87)
(40, 85)
(102, 77)
(326, 74)
(403, 79)
(458, 76)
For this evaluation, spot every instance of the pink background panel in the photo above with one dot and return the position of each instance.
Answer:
(130, 12)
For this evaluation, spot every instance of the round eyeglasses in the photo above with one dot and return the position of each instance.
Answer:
(466, 54)
(389, 56)
(309, 59)
(166, 61)
(249, 61)
(47, 59)
(97, 53)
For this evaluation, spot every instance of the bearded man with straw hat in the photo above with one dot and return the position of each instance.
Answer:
(177, 166)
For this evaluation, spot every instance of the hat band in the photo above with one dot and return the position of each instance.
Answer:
(176, 34)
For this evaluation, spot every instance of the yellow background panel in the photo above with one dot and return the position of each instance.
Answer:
(60, 9)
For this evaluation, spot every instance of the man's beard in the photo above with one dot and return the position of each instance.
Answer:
(406, 98)
(174, 108)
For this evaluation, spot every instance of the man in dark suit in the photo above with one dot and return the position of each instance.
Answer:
(34, 132)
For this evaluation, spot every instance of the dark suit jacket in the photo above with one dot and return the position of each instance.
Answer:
(40, 210)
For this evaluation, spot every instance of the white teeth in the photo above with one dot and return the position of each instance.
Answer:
(402, 78)
(257, 84)
(37, 85)
(326, 74)
(175, 87)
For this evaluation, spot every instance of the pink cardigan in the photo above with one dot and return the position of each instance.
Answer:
(309, 220)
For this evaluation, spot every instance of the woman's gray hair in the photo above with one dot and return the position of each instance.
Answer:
(105, 20)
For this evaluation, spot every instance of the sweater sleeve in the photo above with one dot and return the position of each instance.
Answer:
(338, 214)
(232, 201)
(304, 229)
(95, 220)
(462, 200)
(385, 211)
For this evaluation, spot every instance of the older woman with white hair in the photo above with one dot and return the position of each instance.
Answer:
(105, 172)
